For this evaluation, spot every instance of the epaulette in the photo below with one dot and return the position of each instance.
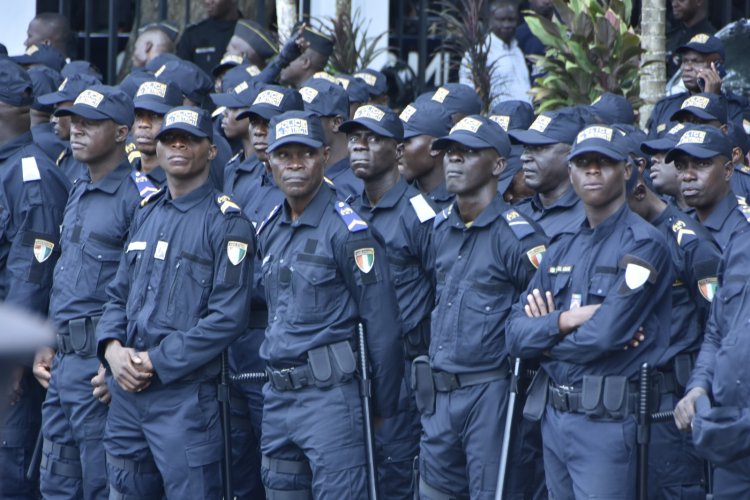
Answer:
(29, 169)
(328, 181)
(60, 157)
(745, 211)
(132, 152)
(642, 232)
(151, 197)
(520, 226)
(235, 157)
(423, 209)
(745, 169)
(442, 216)
(352, 221)
(227, 206)
(144, 185)
(741, 200)
(276, 210)
(682, 233)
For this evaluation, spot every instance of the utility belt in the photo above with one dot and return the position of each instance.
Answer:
(327, 366)
(79, 337)
(417, 340)
(673, 378)
(599, 397)
(426, 382)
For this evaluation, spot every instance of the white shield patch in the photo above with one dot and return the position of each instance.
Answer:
(236, 251)
(42, 250)
(635, 275)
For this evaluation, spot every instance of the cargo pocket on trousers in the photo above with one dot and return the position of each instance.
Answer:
(344, 469)
(204, 463)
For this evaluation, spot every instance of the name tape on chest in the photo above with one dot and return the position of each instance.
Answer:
(29, 169)
(423, 209)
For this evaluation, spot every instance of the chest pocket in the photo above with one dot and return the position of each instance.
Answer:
(269, 286)
(316, 288)
(134, 260)
(480, 323)
(731, 385)
(189, 289)
(601, 283)
(100, 258)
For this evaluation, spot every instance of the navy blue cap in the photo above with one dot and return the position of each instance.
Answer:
(720, 434)
(325, 98)
(15, 84)
(237, 75)
(477, 132)
(262, 42)
(738, 136)
(69, 89)
(704, 44)
(706, 106)
(81, 68)
(134, 79)
(633, 138)
(512, 115)
(157, 62)
(425, 118)
(157, 97)
(551, 127)
(376, 83)
(228, 61)
(44, 80)
(195, 83)
(380, 119)
(3, 50)
(295, 127)
(193, 120)
(273, 100)
(241, 95)
(319, 42)
(41, 54)
(166, 27)
(665, 142)
(458, 98)
(612, 108)
(601, 139)
(701, 141)
(356, 89)
(102, 102)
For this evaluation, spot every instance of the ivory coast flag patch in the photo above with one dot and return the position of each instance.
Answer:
(236, 251)
(535, 255)
(707, 287)
(365, 259)
(42, 250)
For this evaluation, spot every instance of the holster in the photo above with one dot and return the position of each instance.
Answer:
(331, 364)
(83, 335)
(423, 385)
(683, 365)
(536, 396)
(417, 341)
(605, 397)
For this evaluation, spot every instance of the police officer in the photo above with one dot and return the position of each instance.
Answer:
(404, 219)
(153, 40)
(485, 254)
(458, 99)
(179, 298)
(97, 218)
(703, 109)
(313, 59)
(252, 42)
(32, 199)
(611, 108)
(324, 270)
(513, 115)
(44, 81)
(546, 145)
(675, 471)
(741, 177)
(329, 101)
(355, 88)
(595, 288)
(203, 43)
(663, 175)
(377, 85)
(703, 159)
(424, 121)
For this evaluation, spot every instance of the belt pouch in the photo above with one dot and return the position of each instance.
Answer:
(343, 356)
(320, 366)
(536, 396)
(683, 365)
(423, 385)
(591, 396)
(616, 397)
(80, 340)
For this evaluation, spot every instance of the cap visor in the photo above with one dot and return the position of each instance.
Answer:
(185, 128)
(529, 137)
(53, 98)
(84, 112)
(23, 59)
(691, 150)
(465, 139)
(368, 124)
(657, 145)
(596, 148)
(153, 106)
(218, 69)
(264, 112)
(294, 139)
(410, 132)
(700, 113)
(227, 100)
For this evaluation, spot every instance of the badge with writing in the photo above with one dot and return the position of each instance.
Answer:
(365, 259)
(42, 250)
(161, 250)
(236, 251)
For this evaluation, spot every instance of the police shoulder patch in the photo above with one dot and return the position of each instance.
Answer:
(423, 209)
(745, 211)
(227, 206)
(29, 169)
(144, 185)
(520, 226)
(275, 211)
(328, 181)
(353, 222)
(442, 216)
(707, 287)
(61, 156)
(637, 272)
(151, 197)
(682, 233)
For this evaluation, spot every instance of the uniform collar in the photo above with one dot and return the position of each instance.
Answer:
(313, 212)
(110, 182)
(489, 215)
(251, 164)
(188, 201)
(158, 175)
(391, 197)
(11, 147)
(440, 193)
(338, 168)
(603, 230)
(721, 212)
(568, 199)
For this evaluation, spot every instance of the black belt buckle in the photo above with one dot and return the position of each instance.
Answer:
(281, 379)
(560, 399)
(445, 382)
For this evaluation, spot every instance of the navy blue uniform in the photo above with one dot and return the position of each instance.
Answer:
(32, 199)
(621, 264)
(726, 218)
(740, 181)
(45, 138)
(439, 198)
(181, 293)
(324, 272)
(252, 186)
(565, 215)
(404, 219)
(205, 42)
(94, 230)
(71, 168)
(347, 184)
(661, 117)
(480, 271)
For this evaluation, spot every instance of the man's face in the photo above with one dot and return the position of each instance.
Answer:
(140, 53)
(239, 47)
(684, 10)
(468, 171)
(183, 155)
(503, 22)
(234, 128)
(36, 34)
(664, 175)
(693, 61)
(62, 123)
(218, 8)
(703, 182)
(92, 140)
(597, 179)
(542, 7)
(292, 74)
(545, 166)
(298, 169)
(259, 136)
(145, 127)
(371, 155)
(418, 158)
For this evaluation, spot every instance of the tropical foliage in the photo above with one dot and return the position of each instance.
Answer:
(354, 48)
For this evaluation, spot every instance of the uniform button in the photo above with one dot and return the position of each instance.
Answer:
(487, 308)
(149, 287)
(99, 257)
(281, 261)
(450, 304)
(275, 318)
(459, 256)
(440, 347)
(599, 291)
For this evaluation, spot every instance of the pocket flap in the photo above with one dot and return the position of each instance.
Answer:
(203, 454)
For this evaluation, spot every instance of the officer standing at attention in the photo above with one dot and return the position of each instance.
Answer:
(204, 43)
(32, 198)
(97, 218)
(594, 290)
(665, 180)
(404, 218)
(324, 270)
(485, 254)
(178, 300)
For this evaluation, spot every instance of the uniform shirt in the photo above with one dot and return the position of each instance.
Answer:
(622, 264)
(32, 199)
(480, 270)
(740, 181)
(71, 168)
(44, 137)
(205, 42)
(252, 187)
(218, 164)
(94, 230)
(439, 198)
(725, 220)
(678, 34)
(183, 285)
(565, 215)
(695, 260)
(404, 219)
(322, 274)
(721, 368)
(660, 120)
(346, 183)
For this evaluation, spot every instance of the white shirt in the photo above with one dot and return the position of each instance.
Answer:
(510, 76)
